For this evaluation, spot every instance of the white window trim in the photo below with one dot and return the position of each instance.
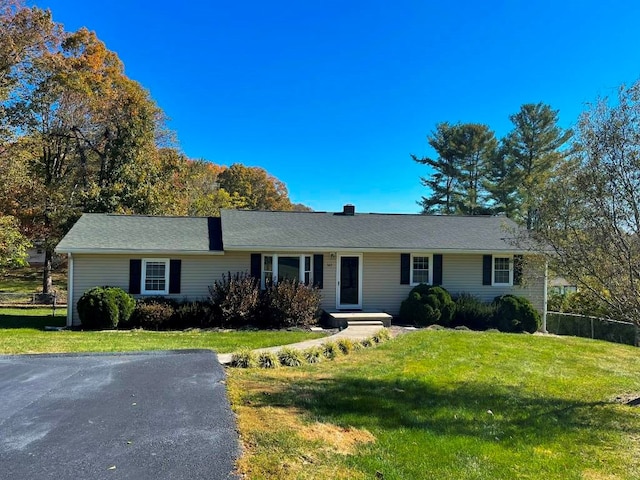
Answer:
(274, 266)
(143, 277)
(493, 271)
(430, 256)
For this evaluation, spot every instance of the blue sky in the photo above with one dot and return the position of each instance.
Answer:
(333, 96)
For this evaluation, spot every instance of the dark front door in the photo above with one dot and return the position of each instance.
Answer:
(349, 282)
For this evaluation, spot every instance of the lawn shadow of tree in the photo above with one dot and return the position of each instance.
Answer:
(475, 409)
(37, 322)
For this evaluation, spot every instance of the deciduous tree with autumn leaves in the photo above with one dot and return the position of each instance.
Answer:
(77, 135)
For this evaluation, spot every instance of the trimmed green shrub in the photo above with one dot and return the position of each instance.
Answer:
(235, 300)
(291, 304)
(268, 360)
(244, 358)
(125, 302)
(98, 309)
(515, 314)
(313, 355)
(472, 312)
(427, 305)
(289, 357)
(154, 313)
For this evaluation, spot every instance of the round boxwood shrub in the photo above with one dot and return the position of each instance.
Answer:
(427, 305)
(126, 303)
(515, 314)
(98, 309)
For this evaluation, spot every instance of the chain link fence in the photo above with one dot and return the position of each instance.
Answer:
(592, 327)
(55, 298)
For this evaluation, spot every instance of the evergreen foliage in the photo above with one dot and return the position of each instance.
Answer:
(474, 174)
(515, 314)
(98, 308)
(427, 305)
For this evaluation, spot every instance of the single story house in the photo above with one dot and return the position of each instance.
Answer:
(360, 262)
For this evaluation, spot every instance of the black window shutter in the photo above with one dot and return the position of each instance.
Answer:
(518, 260)
(437, 269)
(405, 268)
(318, 270)
(256, 260)
(486, 269)
(175, 267)
(135, 275)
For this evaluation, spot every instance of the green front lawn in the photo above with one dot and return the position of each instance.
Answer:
(446, 405)
(21, 331)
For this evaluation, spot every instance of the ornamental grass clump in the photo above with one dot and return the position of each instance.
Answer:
(244, 358)
(345, 345)
(288, 357)
(330, 350)
(313, 355)
(381, 336)
(366, 342)
(268, 360)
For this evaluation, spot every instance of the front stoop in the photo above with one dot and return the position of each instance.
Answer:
(344, 319)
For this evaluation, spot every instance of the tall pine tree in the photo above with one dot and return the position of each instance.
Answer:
(534, 151)
(456, 184)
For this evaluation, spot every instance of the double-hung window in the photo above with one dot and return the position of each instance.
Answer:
(502, 270)
(279, 267)
(421, 271)
(155, 276)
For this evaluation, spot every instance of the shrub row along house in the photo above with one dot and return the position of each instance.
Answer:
(360, 262)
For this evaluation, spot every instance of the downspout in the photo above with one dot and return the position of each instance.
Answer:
(544, 295)
(70, 290)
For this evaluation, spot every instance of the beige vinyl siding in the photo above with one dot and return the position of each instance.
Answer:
(197, 273)
(381, 286)
(381, 289)
(460, 274)
(463, 274)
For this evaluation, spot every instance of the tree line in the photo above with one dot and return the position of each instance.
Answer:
(77, 135)
(475, 173)
(577, 193)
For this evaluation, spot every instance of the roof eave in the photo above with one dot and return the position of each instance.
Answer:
(329, 249)
(129, 251)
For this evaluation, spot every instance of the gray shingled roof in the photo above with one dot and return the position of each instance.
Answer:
(310, 231)
(303, 231)
(107, 232)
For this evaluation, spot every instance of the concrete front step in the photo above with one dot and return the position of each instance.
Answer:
(362, 323)
(343, 319)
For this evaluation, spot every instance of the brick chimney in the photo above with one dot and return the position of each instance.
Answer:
(349, 210)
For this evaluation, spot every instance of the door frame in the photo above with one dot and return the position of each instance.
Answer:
(338, 268)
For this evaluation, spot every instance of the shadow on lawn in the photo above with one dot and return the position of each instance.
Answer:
(468, 409)
(37, 322)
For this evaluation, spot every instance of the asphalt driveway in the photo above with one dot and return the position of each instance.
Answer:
(151, 415)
